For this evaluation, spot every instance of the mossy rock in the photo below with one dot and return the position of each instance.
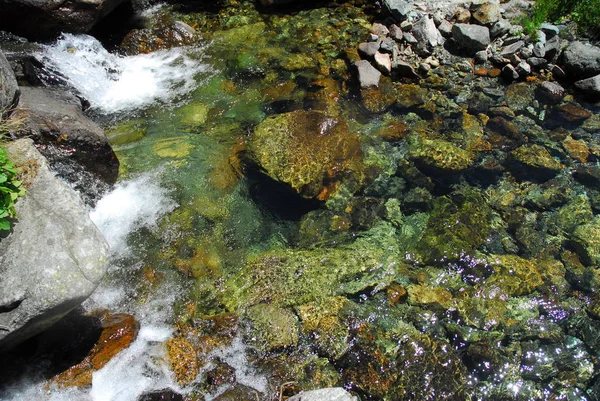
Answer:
(309, 151)
(534, 162)
(457, 225)
(296, 277)
(271, 327)
(586, 240)
(440, 154)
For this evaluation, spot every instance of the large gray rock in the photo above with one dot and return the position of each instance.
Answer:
(427, 36)
(43, 19)
(590, 86)
(55, 118)
(471, 37)
(9, 89)
(325, 394)
(367, 74)
(54, 257)
(398, 9)
(581, 60)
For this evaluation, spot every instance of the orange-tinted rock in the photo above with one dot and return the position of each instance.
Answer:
(393, 131)
(165, 35)
(310, 151)
(118, 332)
(481, 71)
(571, 112)
(494, 72)
(395, 293)
(182, 359)
(577, 150)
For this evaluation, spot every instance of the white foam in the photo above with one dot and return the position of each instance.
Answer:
(131, 205)
(113, 83)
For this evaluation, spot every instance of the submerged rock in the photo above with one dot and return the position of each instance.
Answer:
(55, 256)
(310, 151)
(165, 35)
(272, 327)
(324, 394)
(182, 360)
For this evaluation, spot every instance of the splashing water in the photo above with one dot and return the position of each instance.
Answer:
(130, 206)
(113, 83)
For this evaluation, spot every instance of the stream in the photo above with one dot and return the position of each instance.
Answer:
(446, 255)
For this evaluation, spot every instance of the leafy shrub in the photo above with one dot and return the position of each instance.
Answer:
(10, 190)
(586, 13)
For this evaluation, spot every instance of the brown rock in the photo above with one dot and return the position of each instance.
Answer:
(571, 112)
(119, 331)
(577, 150)
(182, 360)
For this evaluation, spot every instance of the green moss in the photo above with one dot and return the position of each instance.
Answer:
(457, 225)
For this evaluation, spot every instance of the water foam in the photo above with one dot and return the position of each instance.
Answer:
(130, 206)
(113, 83)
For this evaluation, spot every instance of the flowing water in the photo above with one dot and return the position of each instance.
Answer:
(410, 276)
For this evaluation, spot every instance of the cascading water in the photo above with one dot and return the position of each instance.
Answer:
(117, 84)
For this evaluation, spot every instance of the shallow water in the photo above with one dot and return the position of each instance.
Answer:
(457, 261)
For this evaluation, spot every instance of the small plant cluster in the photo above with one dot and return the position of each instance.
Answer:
(586, 13)
(10, 190)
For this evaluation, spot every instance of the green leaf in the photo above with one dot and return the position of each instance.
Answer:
(4, 225)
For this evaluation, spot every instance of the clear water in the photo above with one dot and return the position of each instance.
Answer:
(187, 211)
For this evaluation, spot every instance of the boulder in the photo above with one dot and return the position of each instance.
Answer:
(590, 86)
(368, 49)
(164, 35)
(324, 394)
(43, 19)
(310, 151)
(54, 118)
(500, 28)
(367, 74)
(427, 36)
(487, 14)
(581, 60)
(54, 257)
(9, 89)
(398, 9)
(471, 37)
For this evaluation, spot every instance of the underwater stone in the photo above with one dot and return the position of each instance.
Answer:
(182, 359)
(535, 162)
(272, 327)
(309, 151)
(519, 96)
(457, 225)
(514, 275)
(440, 154)
(587, 241)
(324, 394)
(577, 150)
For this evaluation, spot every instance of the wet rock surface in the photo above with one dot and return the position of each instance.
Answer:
(54, 257)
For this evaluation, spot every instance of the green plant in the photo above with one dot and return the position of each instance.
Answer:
(586, 13)
(10, 190)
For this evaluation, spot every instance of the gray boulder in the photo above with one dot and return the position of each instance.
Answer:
(590, 86)
(398, 9)
(325, 394)
(427, 36)
(9, 89)
(471, 37)
(502, 27)
(54, 257)
(55, 118)
(43, 19)
(367, 74)
(368, 49)
(581, 60)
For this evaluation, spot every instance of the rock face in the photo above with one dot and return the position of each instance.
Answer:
(324, 394)
(581, 60)
(53, 259)
(9, 90)
(471, 37)
(54, 117)
(43, 19)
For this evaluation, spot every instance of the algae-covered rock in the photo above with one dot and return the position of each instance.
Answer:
(440, 154)
(514, 275)
(586, 239)
(272, 327)
(534, 162)
(408, 366)
(457, 225)
(310, 151)
(295, 277)
(182, 359)
(322, 322)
